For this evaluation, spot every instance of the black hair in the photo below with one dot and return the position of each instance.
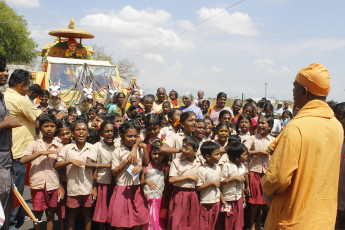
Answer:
(51, 111)
(35, 88)
(93, 109)
(19, 76)
(132, 108)
(78, 121)
(83, 117)
(44, 92)
(101, 105)
(331, 104)
(240, 118)
(129, 125)
(237, 101)
(234, 138)
(71, 109)
(153, 119)
(64, 124)
(191, 140)
(208, 147)
(109, 116)
(174, 91)
(116, 115)
(171, 112)
(235, 150)
(206, 101)
(93, 136)
(107, 122)
(157, 144)
(102, 115)
(47, 118)
(184, 116)
(269, 120)
(148, 97)
(166, 102)
(2, 63)
(288, 113)
(261, 103)
(340, 109)
(248, 104)
(223, 112)
(221, 94)
(120, 93)
(220, 125)
(268, 106)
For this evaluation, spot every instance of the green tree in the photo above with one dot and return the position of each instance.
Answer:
(15, 43)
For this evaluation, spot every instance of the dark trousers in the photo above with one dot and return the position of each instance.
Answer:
(6, 193)
(17, 215)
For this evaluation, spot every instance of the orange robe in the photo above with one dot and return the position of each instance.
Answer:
(303, 172)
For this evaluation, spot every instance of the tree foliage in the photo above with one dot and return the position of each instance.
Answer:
(15, 43)
(100, 54)
(127, 69)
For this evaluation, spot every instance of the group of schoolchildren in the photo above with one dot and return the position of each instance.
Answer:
(162, 171)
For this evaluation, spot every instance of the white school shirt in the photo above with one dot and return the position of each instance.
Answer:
(124, 178)
(103, 153)
(206, 173)
(233, 190)
(180, 166)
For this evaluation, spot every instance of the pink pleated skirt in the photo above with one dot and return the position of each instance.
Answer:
(154, 207)
(128, 207)
(101, 207)
(255, 188)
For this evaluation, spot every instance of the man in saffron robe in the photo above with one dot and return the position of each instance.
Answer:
(303, 172)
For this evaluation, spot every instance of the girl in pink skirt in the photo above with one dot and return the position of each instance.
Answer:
(184, 204)
(257, 146)
(128, 207)
(153, 180)
(103, 149)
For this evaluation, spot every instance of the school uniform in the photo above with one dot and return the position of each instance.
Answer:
(104, 178)
(257, 165)
(175, 140)
(244, 136)
(79, 179)
(184, 205)
(232, 194)
(128, 206)
(209, 197)
(44, 179)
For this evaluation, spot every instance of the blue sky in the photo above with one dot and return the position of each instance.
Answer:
(236, 52)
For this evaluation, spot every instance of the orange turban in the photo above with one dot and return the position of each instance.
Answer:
(315, 78)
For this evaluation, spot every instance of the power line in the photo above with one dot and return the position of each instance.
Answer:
(188, 29)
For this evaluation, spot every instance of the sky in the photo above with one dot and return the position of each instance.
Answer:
(235, 51)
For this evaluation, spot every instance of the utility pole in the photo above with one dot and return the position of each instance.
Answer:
(266, 89)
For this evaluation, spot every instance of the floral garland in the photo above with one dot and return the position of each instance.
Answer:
(68, 54)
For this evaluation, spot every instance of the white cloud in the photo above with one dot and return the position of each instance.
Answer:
(263, 62)
(235, 23)
(281, 70)
(138, 30)
(216, 69)
(155, 57)
(24, 3)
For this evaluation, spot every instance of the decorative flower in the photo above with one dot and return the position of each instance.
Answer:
(177, 123)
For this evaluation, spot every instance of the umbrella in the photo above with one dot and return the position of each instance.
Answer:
(71, 32)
